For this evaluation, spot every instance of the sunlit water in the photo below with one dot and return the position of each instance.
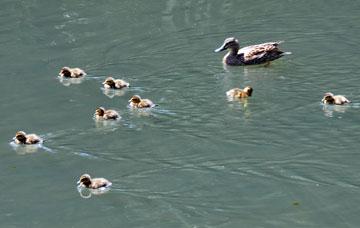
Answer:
(279, 159)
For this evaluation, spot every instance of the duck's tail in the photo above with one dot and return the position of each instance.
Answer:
(287, 53)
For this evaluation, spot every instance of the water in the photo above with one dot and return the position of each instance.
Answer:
(196, 160)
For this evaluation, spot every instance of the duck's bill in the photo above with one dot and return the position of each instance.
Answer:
(78, 182)
(220, 49)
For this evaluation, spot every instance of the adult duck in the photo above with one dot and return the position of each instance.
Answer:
(250, 55)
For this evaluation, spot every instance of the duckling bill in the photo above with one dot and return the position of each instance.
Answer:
(330, 98)
(250, 55)
(22, 138)
(68, 72)
(93, 183)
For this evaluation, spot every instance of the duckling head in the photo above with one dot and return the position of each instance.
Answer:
(65, 71)
(229, 43)
(100, 111)
(109, 81)
(248, 90)
(328, 98)
(20, 136)
(85, 179)
(135, 99)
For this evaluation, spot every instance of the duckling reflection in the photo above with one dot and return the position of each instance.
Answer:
(86, 193)
(70, 81)
(25, 149)
(111, 93)
(330, 110)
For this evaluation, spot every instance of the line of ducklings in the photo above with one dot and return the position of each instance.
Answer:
(250, 55)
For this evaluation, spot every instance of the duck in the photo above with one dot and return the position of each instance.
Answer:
(93, 183)
(106, 114)
(111, 83)
(137, 102)
(240, 93)
(68, 72)
(330, 98)
(251, 55)
(22, 138)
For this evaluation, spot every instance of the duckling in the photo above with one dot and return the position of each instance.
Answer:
(103, 114)
(240, 93)
(22, 138)
(71, 72)
(93, 183)
(137, 102)
(330, 98)
(250, 55)
(111, 83)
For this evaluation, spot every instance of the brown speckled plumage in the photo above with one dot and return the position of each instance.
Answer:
(22, 138)
(94, 183)
(137, 102)
(330, 98)
(111, 83)
(250, 55)
(240, 93)
(71, 72)
(106, 114)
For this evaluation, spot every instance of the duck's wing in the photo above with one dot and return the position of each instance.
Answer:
(111, 114)
(259, 50)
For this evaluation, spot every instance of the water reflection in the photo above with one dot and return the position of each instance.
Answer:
(86, 193)
(70, 81)
(28, 149)
(330, 110)
(107, 124)
(111, 93)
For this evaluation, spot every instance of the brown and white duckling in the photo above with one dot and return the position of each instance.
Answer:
(240, 93)
(93, 183)
(137, 102)
(106, 114)
(22, 138)
(111, 83)
(250, 55)
(71, 72)
(330, 98)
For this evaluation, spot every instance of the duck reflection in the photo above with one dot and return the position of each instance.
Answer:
(70, 81)
(330, 110)
(111, 93)
(86, 193)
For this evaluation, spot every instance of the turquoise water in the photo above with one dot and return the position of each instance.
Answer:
(281, 159)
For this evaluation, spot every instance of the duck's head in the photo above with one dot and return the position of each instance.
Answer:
(65, 71)
(135, 99)
(248, 90)
(229, 43)
(100, 111)
(85, 179)
(328, 98)
(109, 81)
(20, 136)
